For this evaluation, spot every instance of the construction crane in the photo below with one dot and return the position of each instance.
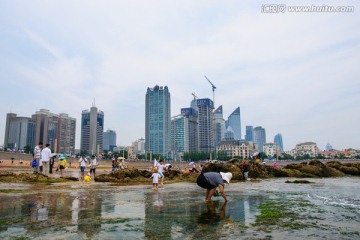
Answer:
(214, 121)
(213, 86)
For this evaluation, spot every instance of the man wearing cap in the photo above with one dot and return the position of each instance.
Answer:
(212, 180)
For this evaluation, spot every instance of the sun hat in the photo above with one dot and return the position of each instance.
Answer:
(226, 176)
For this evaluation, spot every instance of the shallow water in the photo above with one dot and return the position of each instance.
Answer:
(177, 211)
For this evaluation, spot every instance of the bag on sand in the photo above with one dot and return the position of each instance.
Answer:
(34, 163)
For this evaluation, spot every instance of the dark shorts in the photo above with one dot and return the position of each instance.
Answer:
(92, 170)
(62, 167)
(202, 182)
(82, 169)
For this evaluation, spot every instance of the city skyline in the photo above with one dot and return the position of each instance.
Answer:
(288, 74)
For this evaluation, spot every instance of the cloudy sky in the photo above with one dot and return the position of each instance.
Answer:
(292, 73)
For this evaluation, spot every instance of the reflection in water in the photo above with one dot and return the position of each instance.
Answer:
(184, 214)
(211, 217)
(88, 212)
(177, 211)
(113, 212)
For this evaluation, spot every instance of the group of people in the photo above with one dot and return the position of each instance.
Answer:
(44, 162)
(92, 165)
(158, 172)
(42, 159)
(118, 164)
(209, 180)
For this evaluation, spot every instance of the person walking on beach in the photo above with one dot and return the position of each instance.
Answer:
(211, 180)
(82, 165)
(93, 164)
(51, 164)
(155, 176)
(37, 156)
(45, 158)
(246, 169)
(160, 167)
(62, 165)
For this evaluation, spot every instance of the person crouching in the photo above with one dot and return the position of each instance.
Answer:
(211, 180)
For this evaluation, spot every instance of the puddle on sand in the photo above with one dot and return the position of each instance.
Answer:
(177, 211)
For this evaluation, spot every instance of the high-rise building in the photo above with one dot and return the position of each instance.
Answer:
(66, 134)
(139, 146)
(158, 120)
(179, 135)
(235, 123)
(220, 125)
(19, 132)
(279, 142)
(109, 140)
(229, 134)
(46, 128)
(92, 130)
(56, 129)
(259, 138)
(249, 134)
(206, 125)
(193, 131)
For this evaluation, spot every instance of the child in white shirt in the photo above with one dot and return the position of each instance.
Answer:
(155, 176)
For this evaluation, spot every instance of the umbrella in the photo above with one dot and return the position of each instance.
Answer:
(255, 154)
(191, 163)
(121, 158)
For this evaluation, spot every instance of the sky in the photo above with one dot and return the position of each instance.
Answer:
(294, 73)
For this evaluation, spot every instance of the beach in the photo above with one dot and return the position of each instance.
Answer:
(325, 209)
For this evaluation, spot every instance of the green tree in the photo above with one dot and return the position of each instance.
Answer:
(27, 149)
(83, 152)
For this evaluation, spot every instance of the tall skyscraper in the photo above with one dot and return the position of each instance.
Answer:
(192, 115)
(235, 123)
(220, 125)
(179, 135)
(158, 120)
(109, 140)
(56, 129)
(279, 141)
(92, 130)
(206, 125)
(19, 132)
(66, 134)
(46, 128)
(259, 138)
(249, 134)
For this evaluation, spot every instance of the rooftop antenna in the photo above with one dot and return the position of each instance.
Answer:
(93, 103)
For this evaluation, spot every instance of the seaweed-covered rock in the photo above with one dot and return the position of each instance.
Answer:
(280, 172)
(350, 170)
(124, 173)
(172, 174)
(7, 174)
(299, 181)
(334, 164)
(293, 166)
